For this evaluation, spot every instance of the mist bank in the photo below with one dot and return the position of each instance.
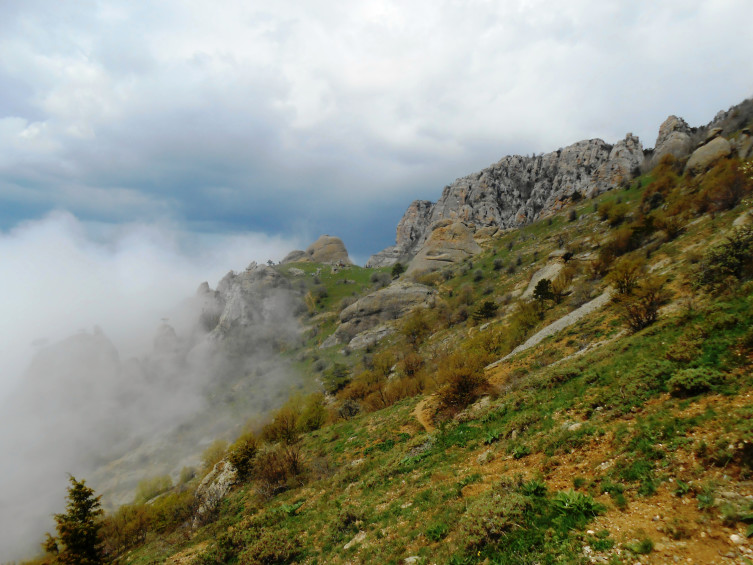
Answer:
(167, 369)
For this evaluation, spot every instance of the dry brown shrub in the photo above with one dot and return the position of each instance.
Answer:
(277, 468)
(464, 381)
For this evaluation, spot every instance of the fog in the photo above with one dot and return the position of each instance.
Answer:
(103, 352)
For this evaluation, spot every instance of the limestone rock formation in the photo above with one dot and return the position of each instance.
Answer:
(448, 242)
(674, 139)
(517, 190)
(213, 489)
(706, 155)
(326, 249)
(386, 304)
(256, 301)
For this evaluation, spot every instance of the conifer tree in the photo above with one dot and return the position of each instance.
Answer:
(78, 540)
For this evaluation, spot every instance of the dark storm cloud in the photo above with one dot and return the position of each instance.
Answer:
(296, 114)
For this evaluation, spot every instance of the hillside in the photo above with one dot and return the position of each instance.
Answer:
(574, 387)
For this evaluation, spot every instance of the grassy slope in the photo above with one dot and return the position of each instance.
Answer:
(574, 456)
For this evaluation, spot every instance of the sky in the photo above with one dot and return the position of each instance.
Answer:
(148, 146)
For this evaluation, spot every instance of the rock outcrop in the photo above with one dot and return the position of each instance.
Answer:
(674, 139)
(212, 490)
(710, 152)
(516, 191)
(448, 242)
(326, 249)
(257, 304)
(372, 310)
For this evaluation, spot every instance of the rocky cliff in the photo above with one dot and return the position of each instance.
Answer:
(518, 190)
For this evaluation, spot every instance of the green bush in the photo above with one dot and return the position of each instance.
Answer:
(689, 382)
(491, 517)
(242, 452)
(732, 259)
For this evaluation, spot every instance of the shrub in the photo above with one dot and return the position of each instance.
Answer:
(284, 425)
(478, 275)
(732, 259)
(723, 187)
(689, 382)
(626, 273)
(490, 517)
(271, 546)
(464, 379)
(242, 452)
(313, 413)
(416, 327)
(397, 270)
(641, 309)
(276, 466)
(497, 264)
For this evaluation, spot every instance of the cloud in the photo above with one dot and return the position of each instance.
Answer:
(61, 275)
(316, 117)
(274, 113)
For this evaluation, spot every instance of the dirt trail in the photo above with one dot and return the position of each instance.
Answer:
(421, 415)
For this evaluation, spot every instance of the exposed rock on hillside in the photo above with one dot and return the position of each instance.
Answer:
(260, 296)
(448, 242)
(709, 153)
(326, 249)
(213, 489)
(385, 304)
(517, 190)
(674, 139)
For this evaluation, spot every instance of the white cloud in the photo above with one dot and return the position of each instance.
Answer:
(60, 276)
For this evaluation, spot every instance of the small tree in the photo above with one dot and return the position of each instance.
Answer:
(487, 310)
(543, 291)
(397, 270)
(78, 541)
(626, 273)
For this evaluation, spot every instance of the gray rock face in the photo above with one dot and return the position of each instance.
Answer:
(517, 190)
(674, 139)
(385, 304)
(213, 489)
(706, 155)
(257, 300)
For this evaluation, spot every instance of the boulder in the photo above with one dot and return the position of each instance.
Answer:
(326, 249)
(449, 242)
(706, 155)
